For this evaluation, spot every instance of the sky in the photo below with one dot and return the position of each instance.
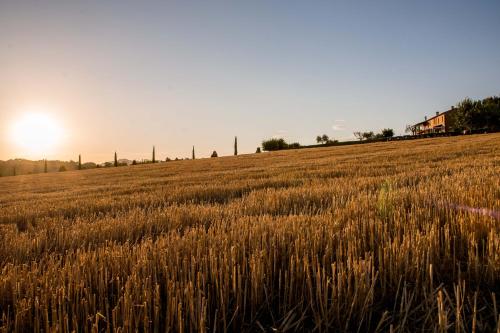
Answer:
(126, 75)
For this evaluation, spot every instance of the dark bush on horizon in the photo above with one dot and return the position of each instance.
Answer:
(387, 133)
(274, 144)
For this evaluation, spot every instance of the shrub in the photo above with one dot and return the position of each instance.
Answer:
(274, 144)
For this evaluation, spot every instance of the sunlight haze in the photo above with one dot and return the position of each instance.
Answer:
(36, 132)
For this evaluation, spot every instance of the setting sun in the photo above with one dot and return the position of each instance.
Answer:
(36, 133)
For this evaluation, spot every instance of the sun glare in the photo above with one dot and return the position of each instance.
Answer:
(36, 134)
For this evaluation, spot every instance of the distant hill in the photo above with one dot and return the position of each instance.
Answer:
(24, 167)
(19, 166)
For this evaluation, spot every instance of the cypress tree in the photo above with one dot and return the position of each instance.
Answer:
(79, 162)
(235, 146)
(193, 154)
(154, 157)
(45, 165)
(116, 160)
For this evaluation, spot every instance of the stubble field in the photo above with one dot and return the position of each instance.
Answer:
(396, 236)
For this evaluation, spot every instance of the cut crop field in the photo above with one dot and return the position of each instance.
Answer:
(394, 236)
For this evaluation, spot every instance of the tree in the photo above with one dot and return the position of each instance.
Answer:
(322, 139)
(358, 135)
(365, 135)
(368, 135)
(411, 129)
(45, 166)
(193, 154)
(14, 171)
(471, 115)
(154, 157)
(62, 168)
(116, 160)
(214, 154)
(134, 162)
(274, 144)
(258, 150)
(79, 162)
(491, 113)
(235, 146)
(387, 133)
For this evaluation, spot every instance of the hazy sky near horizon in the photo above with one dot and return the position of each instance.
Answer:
(127, 75)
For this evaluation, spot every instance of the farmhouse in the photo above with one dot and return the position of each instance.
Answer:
(442, 122)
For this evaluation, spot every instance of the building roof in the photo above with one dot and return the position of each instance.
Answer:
(440, 114)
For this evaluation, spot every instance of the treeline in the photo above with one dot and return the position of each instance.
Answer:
(477, 115)
(324, 140)
(386, 133)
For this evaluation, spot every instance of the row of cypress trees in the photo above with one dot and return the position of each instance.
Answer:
(153, 160)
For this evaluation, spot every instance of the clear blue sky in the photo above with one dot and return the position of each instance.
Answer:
(124, 75)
